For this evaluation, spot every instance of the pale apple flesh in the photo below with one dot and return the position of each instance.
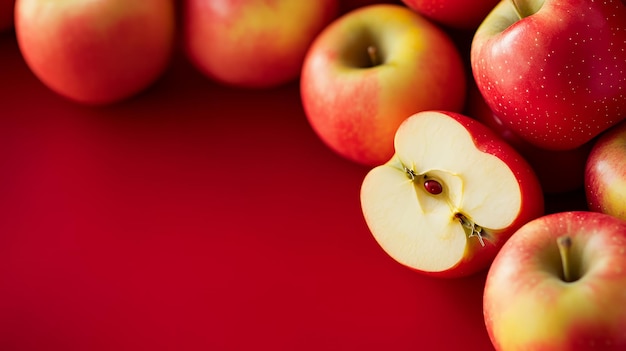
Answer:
(530, 305)
(437, 193)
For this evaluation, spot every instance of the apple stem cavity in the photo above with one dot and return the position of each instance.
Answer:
(565, 243)
(372, 52)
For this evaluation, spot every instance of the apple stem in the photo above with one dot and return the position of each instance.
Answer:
(517, 9)
(565, 243)
(372, 51)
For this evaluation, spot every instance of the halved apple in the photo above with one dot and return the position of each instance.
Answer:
(450, 196)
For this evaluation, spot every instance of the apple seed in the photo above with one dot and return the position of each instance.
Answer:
(433, 186)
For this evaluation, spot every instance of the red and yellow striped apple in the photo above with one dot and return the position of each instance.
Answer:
(96, 52)
(558, 284)
(371, 69)
(451, 196)
(252, 43)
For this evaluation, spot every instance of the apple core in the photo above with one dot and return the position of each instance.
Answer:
(432, 210)
(435, 187)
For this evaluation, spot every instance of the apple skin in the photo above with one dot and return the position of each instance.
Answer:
(252, 43)
(6, 14)
(559, 171)
(96, 52)
(527, 305)
(355, 109)
(554, 77)
(605, 173)
(478, 257)
(459, 14)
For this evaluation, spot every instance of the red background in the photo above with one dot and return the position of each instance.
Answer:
(197, 216)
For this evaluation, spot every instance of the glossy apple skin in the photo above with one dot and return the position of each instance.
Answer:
(6, 14)
(356, 109)
(559, 171)
(528, 306)
(605, 173)
(459, 14)
(552, 77)
(252, 43)
(96, 52)
(478, 257)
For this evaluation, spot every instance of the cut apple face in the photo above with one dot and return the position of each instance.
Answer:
(437, 193)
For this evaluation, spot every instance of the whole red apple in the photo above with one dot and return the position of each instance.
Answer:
(558, 284)
(252, 43)
(96, 52)
(6, 14)
(460, 14)
(372, 68)
(605, 173)
(554, 71)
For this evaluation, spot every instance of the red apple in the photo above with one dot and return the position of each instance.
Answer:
(462, 14)
(6, 14)
(371, 69)
(605, 173)
(252, 43)
(96, 52)
(451, 196)
(554, 71)
(558, 284)
(559, 171)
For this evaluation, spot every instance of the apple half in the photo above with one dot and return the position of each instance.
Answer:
(450, 196)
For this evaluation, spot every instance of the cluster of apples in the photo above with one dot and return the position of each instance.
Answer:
(463, 146)
(463, 142)
(102, 52)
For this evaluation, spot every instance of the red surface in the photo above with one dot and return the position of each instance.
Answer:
(197, 217)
